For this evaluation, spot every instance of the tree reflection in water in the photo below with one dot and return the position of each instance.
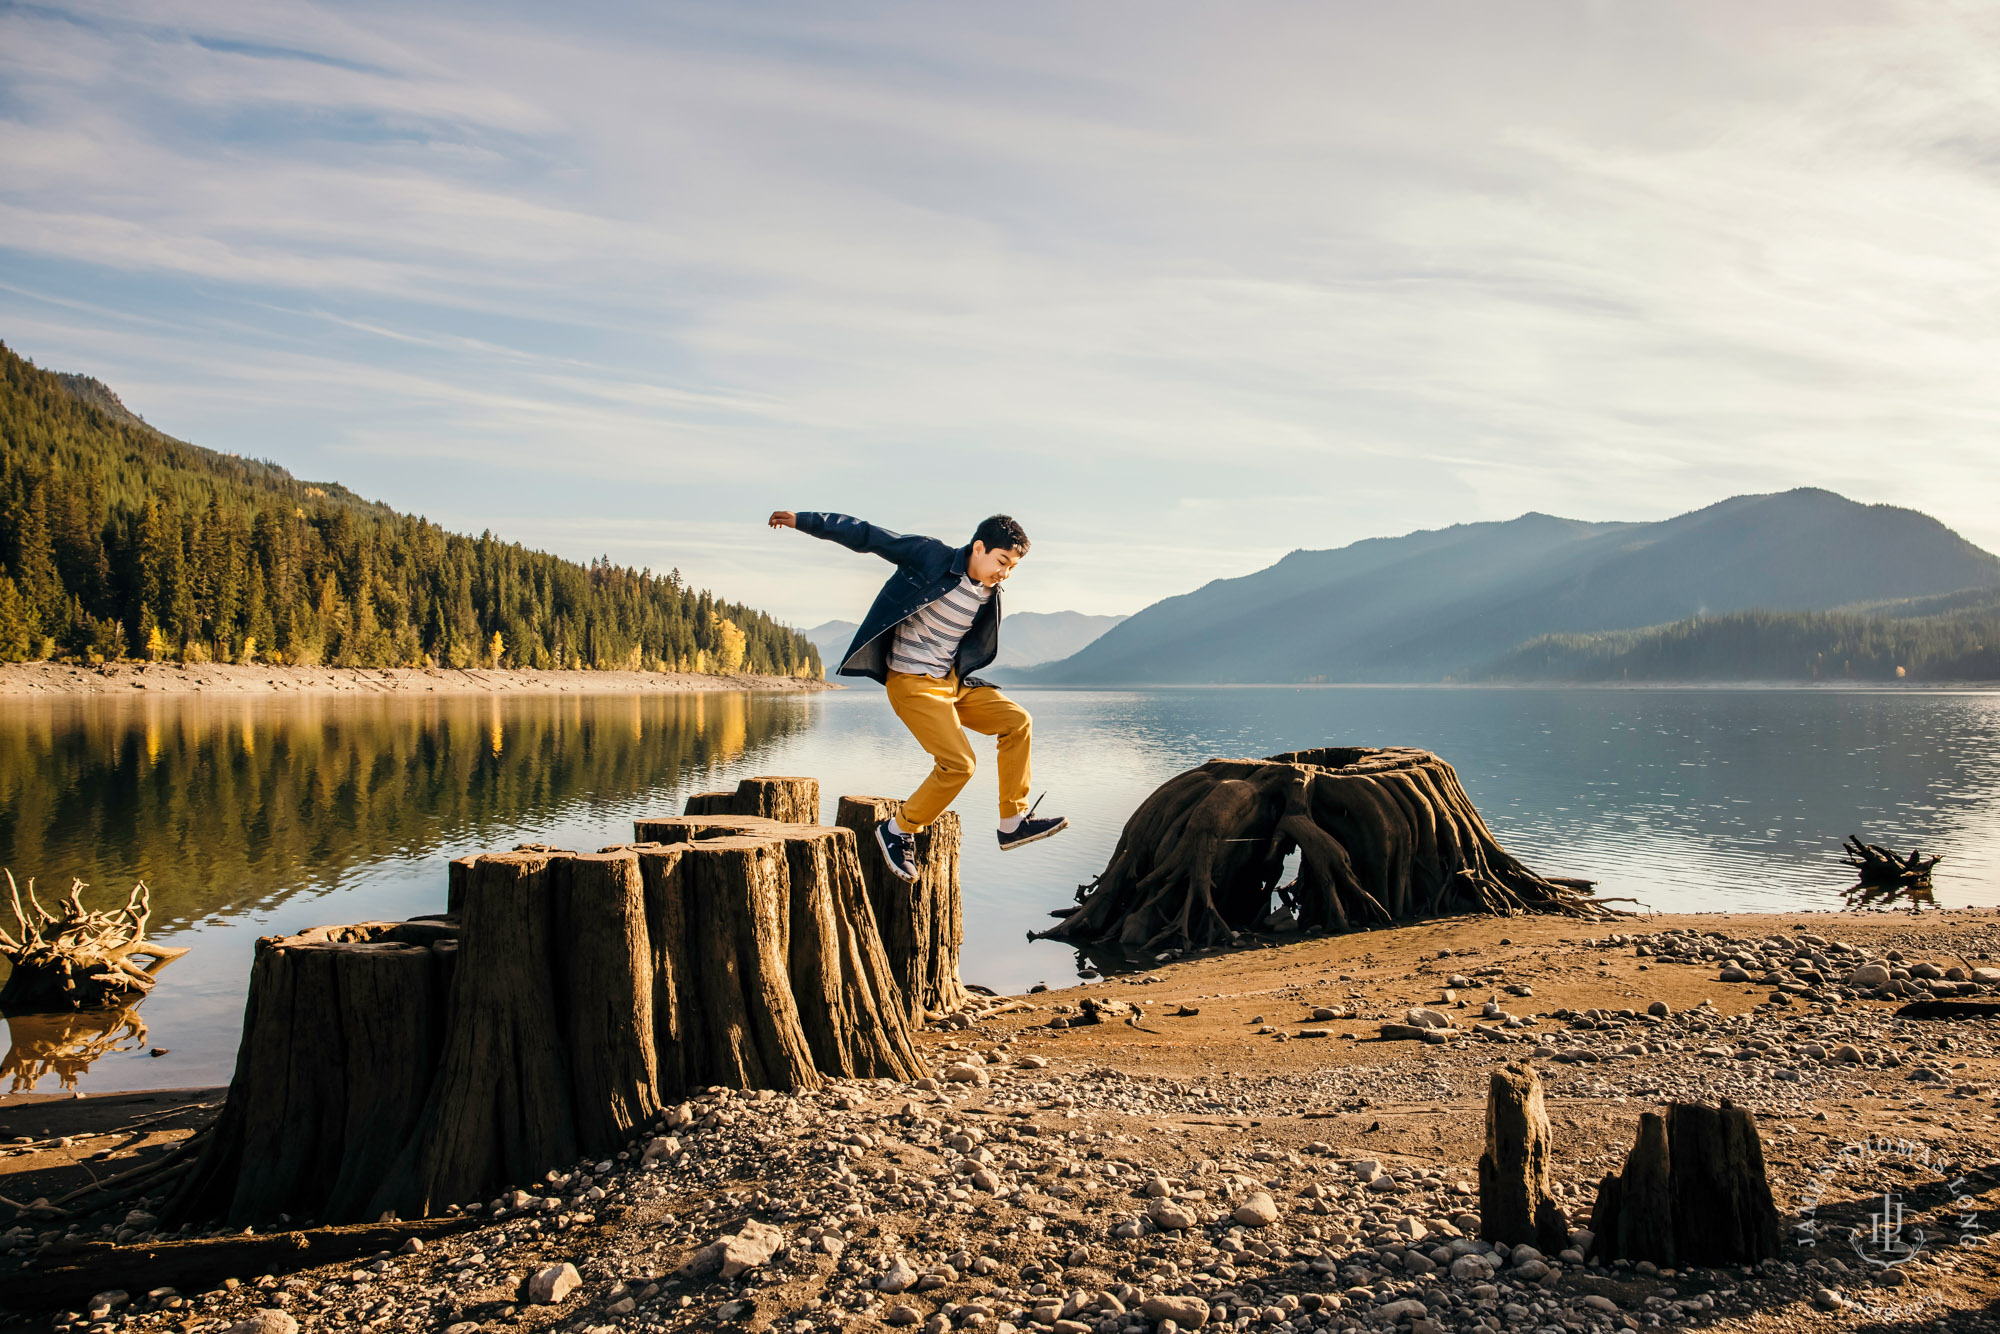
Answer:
(224, 803)
(64, 1045)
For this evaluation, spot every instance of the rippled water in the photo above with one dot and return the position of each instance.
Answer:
(257, 816)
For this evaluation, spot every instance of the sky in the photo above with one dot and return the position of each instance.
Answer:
(1181, 287)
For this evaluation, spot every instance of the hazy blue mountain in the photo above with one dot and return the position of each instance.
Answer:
(831, 639)
(1441, 604)
(1026, 637)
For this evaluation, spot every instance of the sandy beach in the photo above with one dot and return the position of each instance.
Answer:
(1091, 1178)
(124, 678)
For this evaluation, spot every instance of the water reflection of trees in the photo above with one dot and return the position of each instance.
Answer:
(219, 801)
(64, 1045)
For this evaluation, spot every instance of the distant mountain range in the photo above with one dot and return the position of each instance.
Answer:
(1026, 637)
(1464, 602)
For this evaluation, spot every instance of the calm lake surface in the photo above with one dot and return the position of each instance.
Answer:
(254, 816)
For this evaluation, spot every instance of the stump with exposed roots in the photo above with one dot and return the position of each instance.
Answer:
(1384, 835)
(76, 958)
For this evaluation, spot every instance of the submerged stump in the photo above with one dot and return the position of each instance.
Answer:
(1384, 835)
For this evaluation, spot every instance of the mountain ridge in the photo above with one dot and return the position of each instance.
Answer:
(1439, 604)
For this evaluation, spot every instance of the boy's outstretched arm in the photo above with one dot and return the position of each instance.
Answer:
(856, 534)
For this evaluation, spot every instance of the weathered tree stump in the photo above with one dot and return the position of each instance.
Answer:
(1723, 1210)
(1515, 1202)
(788, 800)
(922, 924)
(581, 990)
(1694, 1192)
(712, 803)
(725, 1014)
(77, 959)
(1385, 835)
(550, 1051)
(341, 1033)
(849, 998)
(1633, 1217)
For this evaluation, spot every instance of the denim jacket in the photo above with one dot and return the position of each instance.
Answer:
(926, 569)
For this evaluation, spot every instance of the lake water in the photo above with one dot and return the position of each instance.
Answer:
(252, 816)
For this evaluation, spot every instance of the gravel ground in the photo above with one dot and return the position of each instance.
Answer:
(1156, 1171)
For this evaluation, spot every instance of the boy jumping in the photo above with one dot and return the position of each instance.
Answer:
(935, 623)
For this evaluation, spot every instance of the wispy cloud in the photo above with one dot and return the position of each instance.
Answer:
(1182, 289)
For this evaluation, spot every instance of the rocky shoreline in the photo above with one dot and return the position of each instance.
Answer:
(1232, 1142)
(169, 678)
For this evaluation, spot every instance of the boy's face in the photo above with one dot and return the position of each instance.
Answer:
(992, 567)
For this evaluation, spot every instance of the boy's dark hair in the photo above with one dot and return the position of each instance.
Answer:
(1000, 533)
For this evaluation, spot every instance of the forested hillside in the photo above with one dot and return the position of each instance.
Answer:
(1954, 643)
(118, 541)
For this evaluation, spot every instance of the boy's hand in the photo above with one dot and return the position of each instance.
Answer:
(784, 519)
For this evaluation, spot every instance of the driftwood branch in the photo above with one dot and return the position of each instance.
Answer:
(1883, 876)
(76, 958)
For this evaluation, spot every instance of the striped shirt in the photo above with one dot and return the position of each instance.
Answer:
(927, 640)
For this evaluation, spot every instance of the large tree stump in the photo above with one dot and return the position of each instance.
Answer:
(585, 990)
(788, 800)
(1385, 835)
(1694, 1192)
(715, 913)
(605, 982)
(77, 959)
(922, 924)
(1515, 1202)
(551, 1051)
(829, 979)
(849, 998)
(341, 1032)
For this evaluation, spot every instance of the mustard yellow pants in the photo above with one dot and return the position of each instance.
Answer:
(937, 710)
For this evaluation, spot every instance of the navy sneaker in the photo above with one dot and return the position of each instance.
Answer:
(1032, 830)
(898, 850)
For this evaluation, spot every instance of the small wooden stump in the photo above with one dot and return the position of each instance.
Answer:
(922, 924)
(1693, 1192)
(787, 800)
(1515, 1202)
